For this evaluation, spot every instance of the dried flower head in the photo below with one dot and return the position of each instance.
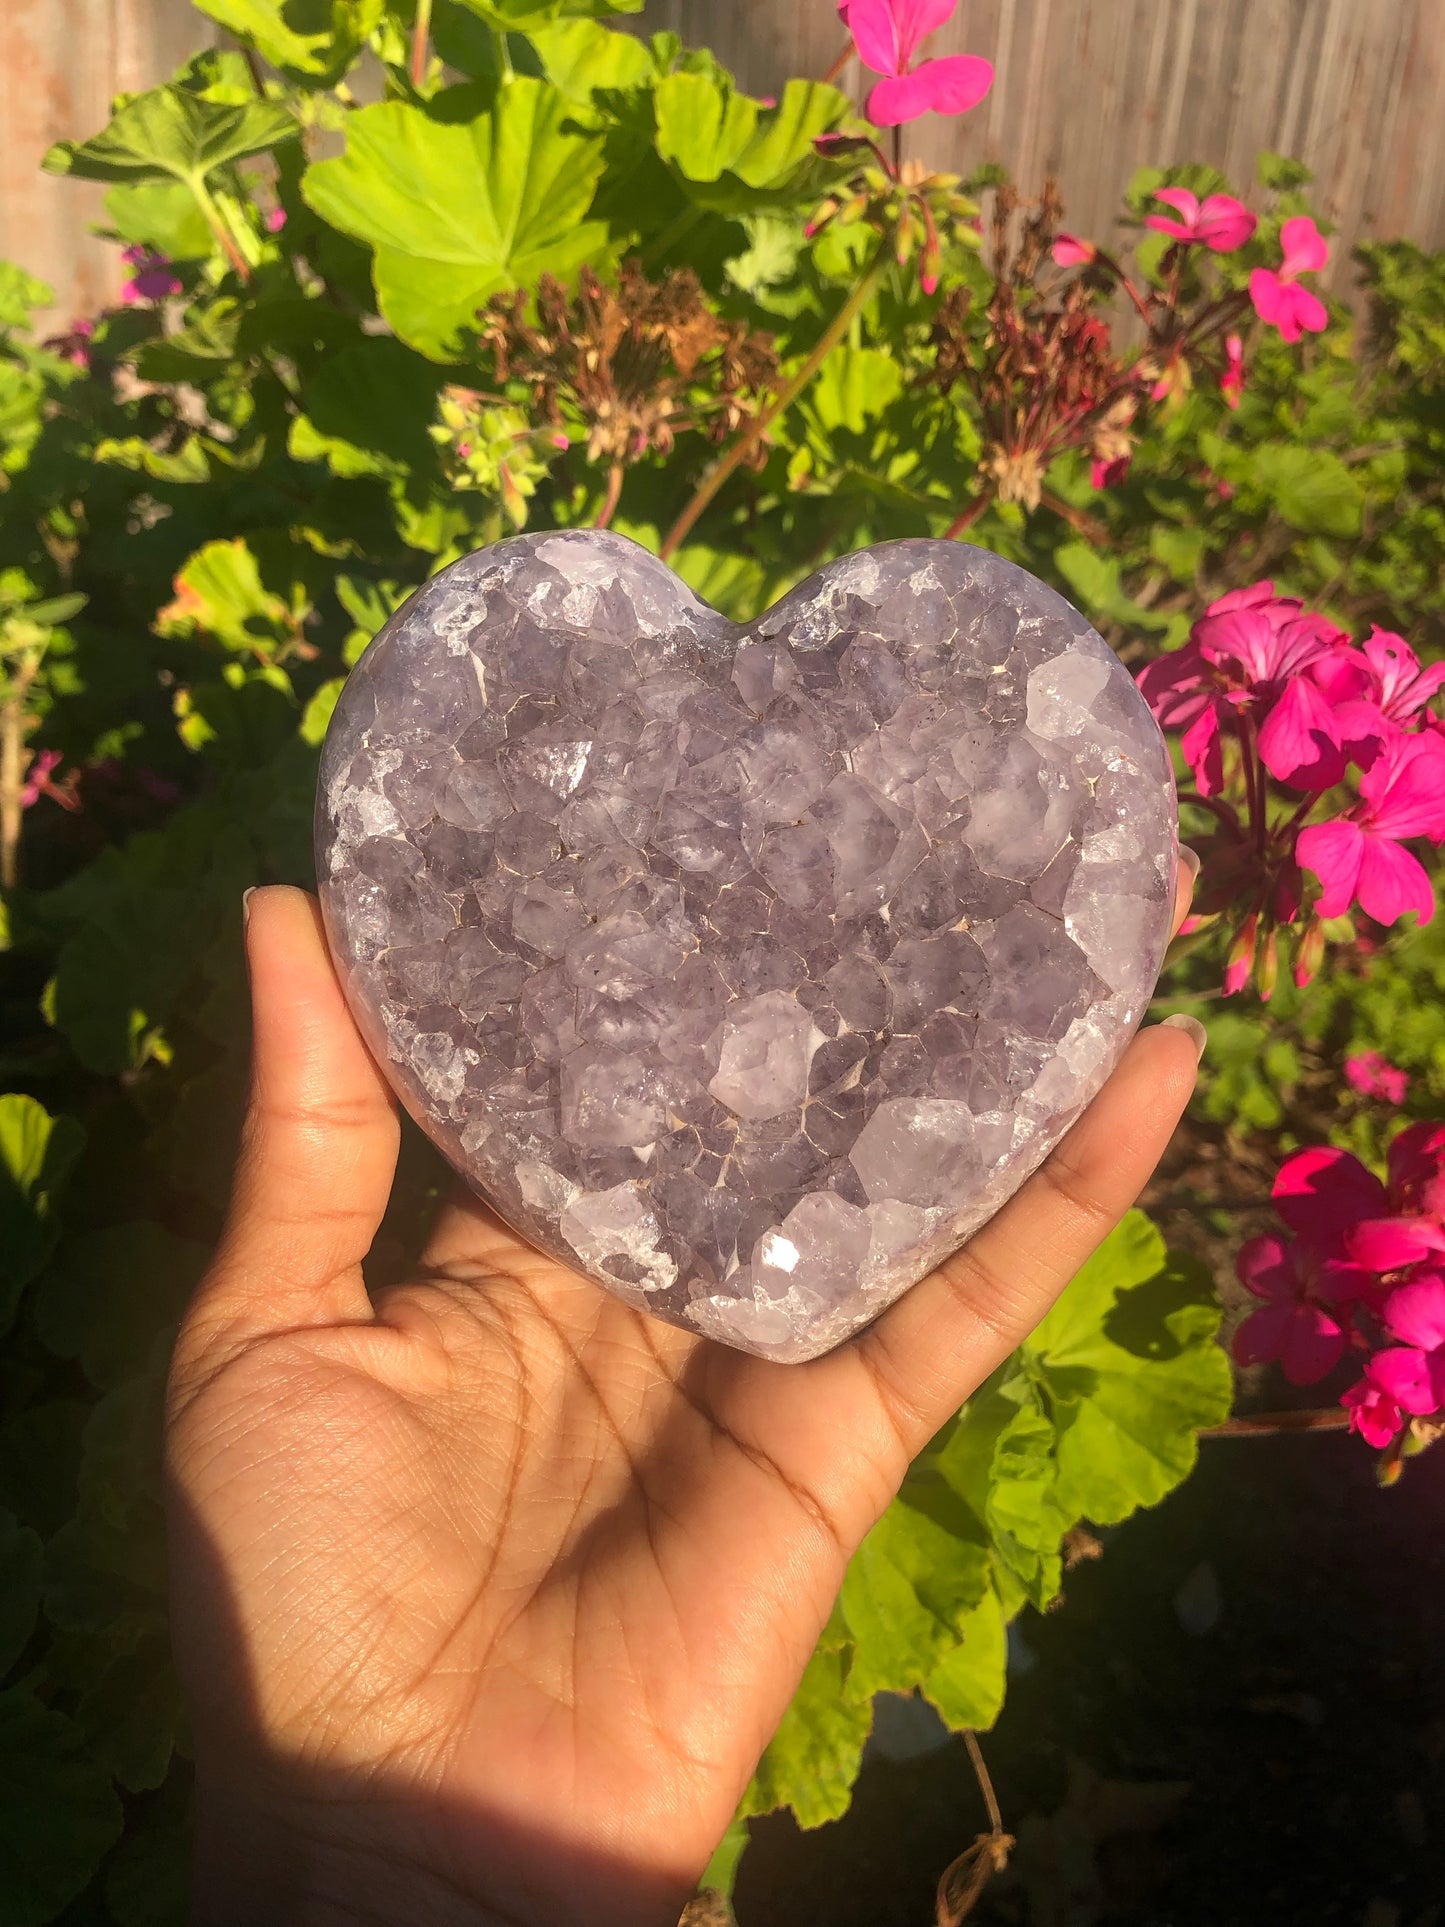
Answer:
(637, 364)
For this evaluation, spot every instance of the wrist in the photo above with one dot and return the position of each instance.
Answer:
(351, 1863)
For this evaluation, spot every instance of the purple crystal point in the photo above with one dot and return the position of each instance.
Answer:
(748, 969)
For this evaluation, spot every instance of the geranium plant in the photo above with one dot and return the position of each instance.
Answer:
(555, 274)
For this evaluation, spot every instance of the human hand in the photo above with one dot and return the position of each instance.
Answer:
(489, 1592)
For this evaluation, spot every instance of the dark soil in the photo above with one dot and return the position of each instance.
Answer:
(1237, 1716)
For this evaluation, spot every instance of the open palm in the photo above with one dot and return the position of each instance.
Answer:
(490, 1591)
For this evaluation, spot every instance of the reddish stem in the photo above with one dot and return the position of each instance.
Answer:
(967, 519)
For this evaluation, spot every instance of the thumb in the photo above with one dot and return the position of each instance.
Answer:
(318, 1148)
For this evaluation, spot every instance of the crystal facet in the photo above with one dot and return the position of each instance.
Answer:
(748, 969)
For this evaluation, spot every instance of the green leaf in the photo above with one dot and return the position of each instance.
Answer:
(967, 1686)
(582, 57)
(160, 214)
(1130, 1364)
(1279, 172)
(148, 1878)
(783, 141)
(172, 131)
(812, 1760)
(132, 1714)
(40, 1461)
(20, 295)
(22, 1563)
(108, 1293)
(220, 592)
(523, 15)
(367, 410)
(457, 212)
(702, 128)
(1095, 580)
(1311, 487)
(921, 1570)
(316, 717)
(312, 42)
(36, 1152)
(58, 1813)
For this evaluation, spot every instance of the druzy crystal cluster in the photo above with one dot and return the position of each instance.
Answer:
(747, 968)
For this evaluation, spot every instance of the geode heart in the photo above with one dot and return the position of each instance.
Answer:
(747, 969)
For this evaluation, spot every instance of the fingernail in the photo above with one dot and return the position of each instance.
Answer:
(1192, 1028)
(1189, 860)
(246, 896)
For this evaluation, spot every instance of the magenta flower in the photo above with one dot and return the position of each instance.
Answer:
(1071, 252)
(1276, 293)
(1247, 656)
(1373, 1414)
(1231, 382)
(153, 279)
(887, 34)
(1332, 1202)
(275, 220)
(1375, 1076)
(38, 778)
(1298, 1324)
(1219, 222)
(1104, 474)
(1412, 1373)
(1360, 856)
(1390, 694)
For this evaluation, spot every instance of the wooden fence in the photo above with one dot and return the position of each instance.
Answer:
(1088, 90)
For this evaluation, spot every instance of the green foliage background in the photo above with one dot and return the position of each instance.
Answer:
(203, 528)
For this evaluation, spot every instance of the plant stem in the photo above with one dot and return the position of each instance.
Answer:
(966, 518)
(734, 456)
(1331, 1418)
(211, 214)
(838, 65)
(985, 1782)
(1079, 520)
(420, 36)
(609, 501)
(12, 728)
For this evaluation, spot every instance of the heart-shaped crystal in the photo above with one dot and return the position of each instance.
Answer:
(745, 968)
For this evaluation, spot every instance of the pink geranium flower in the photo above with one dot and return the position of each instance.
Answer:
(1277, 294)
(1300, 1323)
(1336, 1205)
(1219, 222)
(275, 220)
(1071, 252)
(1375, 1076)
(887, 34)
(1373, 1414)
(1393, 691)
(1249, 654)
(153, 279)
(1412, 1373)
(1104, 474)
(1361, 856)
(1231, 382)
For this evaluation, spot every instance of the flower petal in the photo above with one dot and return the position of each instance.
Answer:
(874, 27)
(1261, 1338)
(1389, 1244)
(1270, 297)
(1265, 1266)
(1322, 1192)
(1182, 201)
(1415, 1313)
(1225, 223)
(1313, 1345)
(1373, 1414)
(1405, 786)
(948, 86)
(1204, 751)
(1298, 740)
(1305, 248)
(1403, 1373)
(1392, 881)
(1334, 852)
(1161, 224)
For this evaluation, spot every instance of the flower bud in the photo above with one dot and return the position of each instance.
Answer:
(1240, 960)
(1269, 965)
(1309, 952)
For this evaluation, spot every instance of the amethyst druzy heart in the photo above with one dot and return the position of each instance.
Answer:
(748, 969)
